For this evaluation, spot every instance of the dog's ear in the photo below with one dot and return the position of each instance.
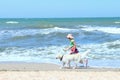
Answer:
(59, 56)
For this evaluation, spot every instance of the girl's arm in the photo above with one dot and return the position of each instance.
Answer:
(67, 48)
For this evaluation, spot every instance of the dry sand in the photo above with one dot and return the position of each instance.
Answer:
(37, 71)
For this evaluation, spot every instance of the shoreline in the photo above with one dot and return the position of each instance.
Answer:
(26, 66)
(31, 66)
(48, 71)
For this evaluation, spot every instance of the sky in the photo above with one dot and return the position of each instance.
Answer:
(59, 8)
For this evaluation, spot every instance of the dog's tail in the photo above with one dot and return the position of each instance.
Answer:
(85, 54)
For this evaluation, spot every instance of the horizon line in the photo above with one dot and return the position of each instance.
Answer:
(54, 17)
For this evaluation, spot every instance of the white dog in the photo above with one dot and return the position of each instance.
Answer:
(76, 58)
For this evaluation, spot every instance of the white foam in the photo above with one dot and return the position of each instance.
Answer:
(30, 54)
(12, 22)
(62, 30)
(117, 22)
(108, 50)
(26, 32)
(98, 51)
(113, 30)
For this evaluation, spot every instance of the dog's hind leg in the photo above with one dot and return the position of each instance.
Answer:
(85, 63)
(75, 65)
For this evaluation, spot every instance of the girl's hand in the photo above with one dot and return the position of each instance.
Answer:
(65, 49)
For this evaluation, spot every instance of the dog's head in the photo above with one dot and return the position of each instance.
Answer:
(59, 56)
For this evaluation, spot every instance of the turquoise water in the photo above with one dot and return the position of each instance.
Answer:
(41, 39)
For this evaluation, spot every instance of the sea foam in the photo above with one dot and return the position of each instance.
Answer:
(12, 22)
(117, 22)
(112, 30)
(31, 32)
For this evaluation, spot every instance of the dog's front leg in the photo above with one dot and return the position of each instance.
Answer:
(68, 64)
(62, 66)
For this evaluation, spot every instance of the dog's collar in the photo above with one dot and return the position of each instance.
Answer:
(61, 58)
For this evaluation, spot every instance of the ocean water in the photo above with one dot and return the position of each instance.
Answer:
(41, 39)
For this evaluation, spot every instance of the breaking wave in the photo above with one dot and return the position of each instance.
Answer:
(112, 30)
(12, 22)
(31, 32)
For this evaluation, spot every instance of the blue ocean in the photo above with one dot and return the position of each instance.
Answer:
(41, 39)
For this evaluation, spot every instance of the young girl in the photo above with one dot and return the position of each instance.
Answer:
(72, 46)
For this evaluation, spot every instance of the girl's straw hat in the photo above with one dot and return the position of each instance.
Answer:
(70, 36)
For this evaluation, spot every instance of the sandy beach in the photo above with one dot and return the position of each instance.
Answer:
(45, 71)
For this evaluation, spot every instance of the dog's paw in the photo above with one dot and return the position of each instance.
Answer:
(61, 67)
(74, 68)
